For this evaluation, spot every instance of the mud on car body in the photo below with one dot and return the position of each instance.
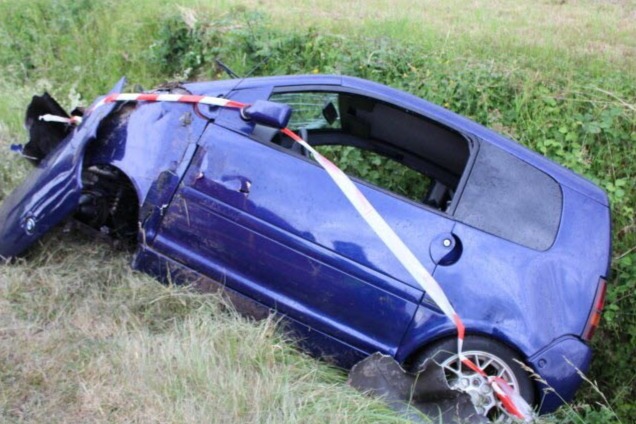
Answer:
(519, 244)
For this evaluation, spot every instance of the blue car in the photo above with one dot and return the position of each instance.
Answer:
(214, 197)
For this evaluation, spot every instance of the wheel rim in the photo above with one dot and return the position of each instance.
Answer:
(481, 393)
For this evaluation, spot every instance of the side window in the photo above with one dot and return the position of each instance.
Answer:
(312, 110)
(511, 199)
(381, 144)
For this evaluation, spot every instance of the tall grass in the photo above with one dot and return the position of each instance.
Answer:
(547, 34)
(91, 340)
(86, 339)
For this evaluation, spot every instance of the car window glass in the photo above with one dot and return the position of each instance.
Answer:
(310, 109)
(384, 145)
(512, 199)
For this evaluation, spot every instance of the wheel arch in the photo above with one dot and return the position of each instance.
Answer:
(109, 199)
(412, 358)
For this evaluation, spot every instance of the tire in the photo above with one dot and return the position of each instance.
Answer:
(494, 358)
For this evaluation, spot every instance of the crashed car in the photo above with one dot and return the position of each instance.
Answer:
(218, 198)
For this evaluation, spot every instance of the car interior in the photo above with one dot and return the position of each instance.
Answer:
(377, 143)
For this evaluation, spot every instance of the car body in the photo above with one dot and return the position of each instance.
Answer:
(519, 244)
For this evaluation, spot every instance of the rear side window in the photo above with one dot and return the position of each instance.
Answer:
(511, 199)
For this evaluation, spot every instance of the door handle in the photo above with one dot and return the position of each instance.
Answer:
(235, 183)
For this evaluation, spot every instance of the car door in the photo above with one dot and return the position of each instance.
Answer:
(272, 225)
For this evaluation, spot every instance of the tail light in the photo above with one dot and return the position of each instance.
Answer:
(595, 316)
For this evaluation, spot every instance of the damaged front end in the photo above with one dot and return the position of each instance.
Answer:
(53, 190)
(110, 169)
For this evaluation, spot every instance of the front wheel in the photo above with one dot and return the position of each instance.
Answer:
(492, 357)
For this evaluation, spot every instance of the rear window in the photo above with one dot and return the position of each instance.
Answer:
(511, 199)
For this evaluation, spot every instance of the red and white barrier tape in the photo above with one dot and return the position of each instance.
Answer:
(511, 400)
(145, 97)
(73, 120)
(176, 98)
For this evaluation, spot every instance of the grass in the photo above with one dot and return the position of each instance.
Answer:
(84, 338)
(552, 34)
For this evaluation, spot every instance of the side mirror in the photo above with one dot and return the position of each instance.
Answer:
(269, 114)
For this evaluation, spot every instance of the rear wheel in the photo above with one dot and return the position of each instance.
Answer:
(492, 357)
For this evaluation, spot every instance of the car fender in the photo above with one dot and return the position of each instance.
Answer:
(429, 325)
(51, 192)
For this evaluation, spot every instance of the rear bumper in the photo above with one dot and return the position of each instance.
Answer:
(560, 365)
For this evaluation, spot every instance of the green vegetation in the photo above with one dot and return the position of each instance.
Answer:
(86, 339)
(378, 170)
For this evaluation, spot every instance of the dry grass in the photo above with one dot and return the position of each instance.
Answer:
(83, 338)
(593, 30)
